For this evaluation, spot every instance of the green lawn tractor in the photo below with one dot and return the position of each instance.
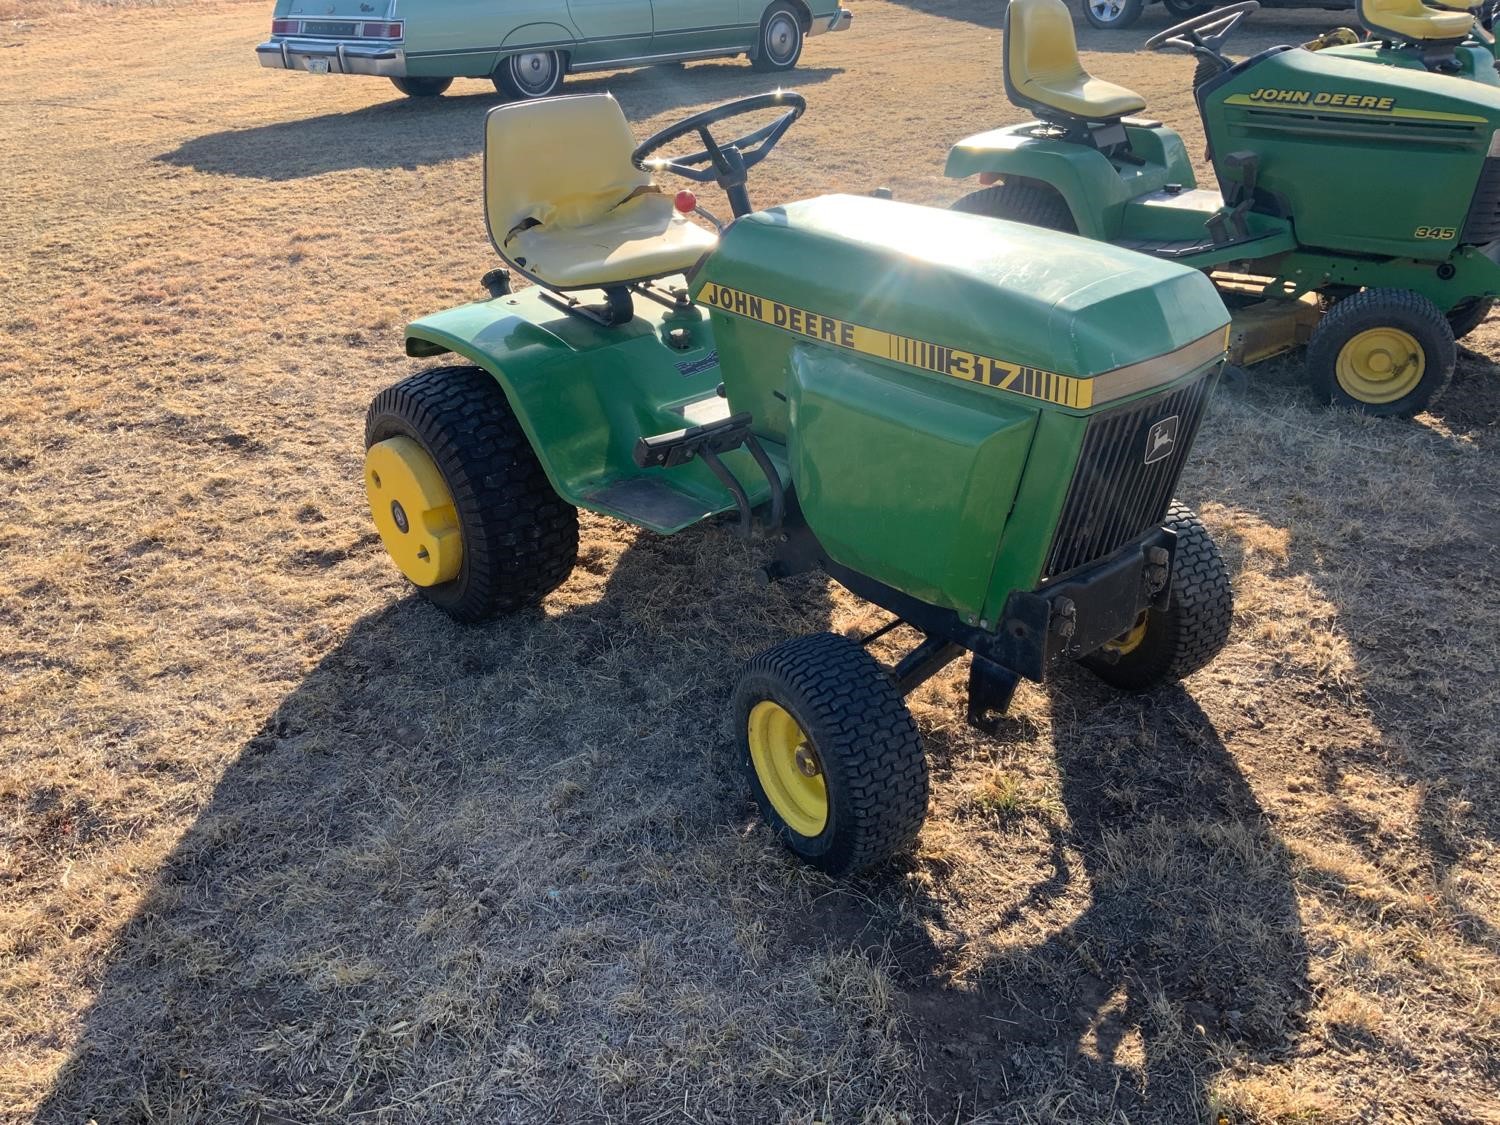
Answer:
(1445, 38)
(977, 426)
(1358, 208)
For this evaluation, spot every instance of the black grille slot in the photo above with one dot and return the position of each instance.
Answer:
(328, 27)
(1483, 223)
(1126, 474)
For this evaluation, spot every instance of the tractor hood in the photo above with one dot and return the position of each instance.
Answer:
(1033, 312)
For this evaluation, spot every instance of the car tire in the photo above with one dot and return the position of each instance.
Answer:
(531, 74)
(1112, 15)
(1183, 9)
(421, 87)
(1386, 352)
(832, 753)
(519, 538)
(1167, 645)
(780, 43)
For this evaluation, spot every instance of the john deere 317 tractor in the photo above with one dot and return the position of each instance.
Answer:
(1358, 206)
(976, 425)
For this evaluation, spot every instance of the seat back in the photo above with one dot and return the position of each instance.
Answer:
(1040, 50)
(1412, 21)
(560, 162)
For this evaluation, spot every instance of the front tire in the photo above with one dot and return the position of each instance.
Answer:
(1167, 645)
(517, 539)
(832, 753)
(1387, 352)
(780, 43)
(1021, 201)
(422, 87)
(532, 74)
(1112, 15)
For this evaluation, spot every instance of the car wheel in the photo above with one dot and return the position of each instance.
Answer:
(780, 39)
(1112, 15)
(533, 74)
(1182, 9)
(421, 87)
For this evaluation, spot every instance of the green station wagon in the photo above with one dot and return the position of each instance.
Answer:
(526, 46)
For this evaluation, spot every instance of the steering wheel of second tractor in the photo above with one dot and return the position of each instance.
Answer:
(723, 163)
(1206, 33)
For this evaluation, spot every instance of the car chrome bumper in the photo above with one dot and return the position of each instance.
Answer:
(839, 21)
(339, 57)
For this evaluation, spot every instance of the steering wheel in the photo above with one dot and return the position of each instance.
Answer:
(1206, 31)
(723, 163)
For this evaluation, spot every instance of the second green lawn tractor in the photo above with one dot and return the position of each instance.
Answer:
(1358, 206)
(977, 426)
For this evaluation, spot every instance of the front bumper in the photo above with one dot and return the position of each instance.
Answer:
(839, 21)
(333, 56)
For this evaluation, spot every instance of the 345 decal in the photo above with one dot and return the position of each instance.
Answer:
(1443, 234)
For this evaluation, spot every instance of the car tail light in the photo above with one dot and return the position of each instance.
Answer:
(286, 27)
(376, 30)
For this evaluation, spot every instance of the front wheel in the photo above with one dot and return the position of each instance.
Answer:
(832, 753)
(459, 498)
(535, 74)
(1112, 15)
(1387, 352)
(421, 87)
(1166, 645)
(780, 39)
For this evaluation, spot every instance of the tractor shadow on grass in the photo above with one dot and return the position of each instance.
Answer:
(1173, 937)
(411, 133)
(388, 869)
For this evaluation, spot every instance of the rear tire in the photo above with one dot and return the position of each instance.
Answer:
(520, 539)
(859, 738)
(1177, 641)
(780, 44)
(1469, 315)
(1112, 15)
(422, 87)
(1021, 201)
(531, 74)
(1387, 352)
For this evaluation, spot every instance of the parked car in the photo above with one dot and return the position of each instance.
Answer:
(527, 46)
(1112, 15)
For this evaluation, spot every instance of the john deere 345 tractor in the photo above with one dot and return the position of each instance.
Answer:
(1358, 206)
(976, 425)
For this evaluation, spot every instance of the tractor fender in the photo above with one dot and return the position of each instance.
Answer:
(552, 36)
(1094, 190)
(522, 357)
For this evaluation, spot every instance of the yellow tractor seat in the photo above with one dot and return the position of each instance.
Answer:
(566, 206)
(1043, 73)
(1411, 21)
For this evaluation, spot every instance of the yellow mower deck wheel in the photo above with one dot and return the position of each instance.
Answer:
(413, 511)
(1380, 365)
(788, 769)
(1128, 641)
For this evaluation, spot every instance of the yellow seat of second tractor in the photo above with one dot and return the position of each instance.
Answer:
(1412, 21)
(1042, 67)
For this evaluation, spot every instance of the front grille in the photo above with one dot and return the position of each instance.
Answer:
(329, 27)
(1117, 495)
(1483, 222)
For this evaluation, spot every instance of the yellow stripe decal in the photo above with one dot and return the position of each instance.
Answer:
(1370, 111)
(1064, 390)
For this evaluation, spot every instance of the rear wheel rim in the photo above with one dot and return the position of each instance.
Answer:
(781, 37)
(534, 72)
(1380, 365)
(788, 768)
(1105, 11)
(413, 510)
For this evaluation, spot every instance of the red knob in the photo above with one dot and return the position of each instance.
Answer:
(686, 202)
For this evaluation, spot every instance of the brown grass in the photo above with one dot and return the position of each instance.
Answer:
(281, 843)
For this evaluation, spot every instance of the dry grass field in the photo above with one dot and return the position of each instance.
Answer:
(280, 843)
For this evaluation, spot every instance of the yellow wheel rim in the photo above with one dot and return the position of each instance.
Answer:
(790, 772)
(1128, 641)
(1380, 365)
(413, 511)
